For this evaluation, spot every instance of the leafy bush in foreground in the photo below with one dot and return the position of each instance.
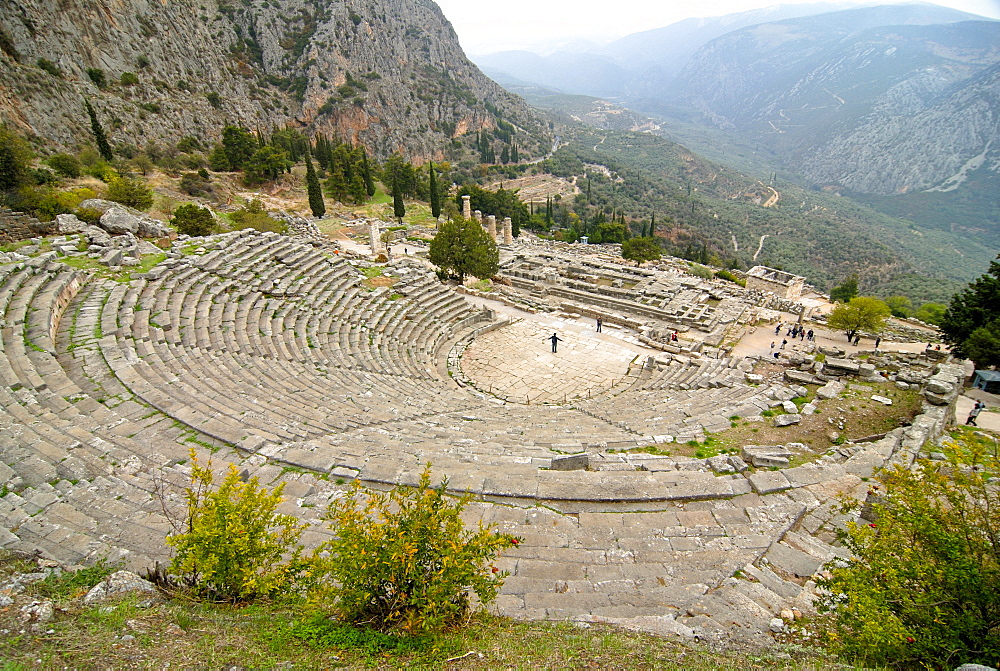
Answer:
(403, 561)
(923, 587)
(233, 542)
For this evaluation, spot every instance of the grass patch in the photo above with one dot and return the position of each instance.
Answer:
(187, 635)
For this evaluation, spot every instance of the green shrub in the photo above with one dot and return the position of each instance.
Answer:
(214, 99)
(102, 170)
(700, 271)
(88, 215)
(923, 587)
(193, 220)
(728, 276)
(233, 545)
(97, 76)
(150, 107)
(403, 561)
(50, 67)
(66, 165)
(194, 184)
(130, 192)
(253, 216)
(128, 79)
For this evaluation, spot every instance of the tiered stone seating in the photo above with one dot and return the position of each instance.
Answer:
(287, 358)
(277, 356)
(682, 373)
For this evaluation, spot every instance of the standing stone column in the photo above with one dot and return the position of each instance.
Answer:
(467, 207)
(508, 231)
(491, 226)
(374, 238)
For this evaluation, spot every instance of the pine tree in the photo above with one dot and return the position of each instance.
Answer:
(99, 137)
(398, 208)
(336, 182)
(316, 203)
(356, 188)
(434, 197)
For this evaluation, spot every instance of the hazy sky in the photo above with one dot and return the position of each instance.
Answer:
(485, 26)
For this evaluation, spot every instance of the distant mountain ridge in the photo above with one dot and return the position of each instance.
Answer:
(880, 110)
(387, 73)
(643, 64)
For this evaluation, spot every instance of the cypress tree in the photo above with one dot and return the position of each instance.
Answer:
(435, 198)
(102, 140)
(316, 203)
(366, 173)
(652, 225)
(398, 208)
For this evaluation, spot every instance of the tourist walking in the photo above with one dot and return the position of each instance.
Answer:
(878, 341)
(599, 323)
(555, 341)
(777, 329)
(974, 413)
(783, 343)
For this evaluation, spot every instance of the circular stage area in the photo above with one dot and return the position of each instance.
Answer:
(516, 362)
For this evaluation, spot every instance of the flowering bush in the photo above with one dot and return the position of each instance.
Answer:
(404, 561)
(923, 586)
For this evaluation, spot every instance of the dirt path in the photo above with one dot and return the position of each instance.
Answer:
(760, 247)
(775, 197)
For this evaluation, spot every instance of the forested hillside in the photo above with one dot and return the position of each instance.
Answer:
(698, 204)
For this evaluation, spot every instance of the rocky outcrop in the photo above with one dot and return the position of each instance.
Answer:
(390, 74)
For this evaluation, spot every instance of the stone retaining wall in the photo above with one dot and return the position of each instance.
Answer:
(15, 226)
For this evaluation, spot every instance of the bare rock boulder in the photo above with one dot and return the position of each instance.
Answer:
(120, 583)
(118, 221)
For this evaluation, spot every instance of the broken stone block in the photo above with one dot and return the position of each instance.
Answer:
(829, 390)
(787, 420)
(938, 386)
(881, 399)
(570, 462)
(112, 258)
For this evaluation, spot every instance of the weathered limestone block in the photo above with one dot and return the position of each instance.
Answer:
(831, 389)
(570, 462)
(117, 220)
(841, 367)
(787, 420)
(768, 482)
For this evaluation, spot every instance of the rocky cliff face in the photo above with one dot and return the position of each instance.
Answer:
(386, 73)
(881, 110)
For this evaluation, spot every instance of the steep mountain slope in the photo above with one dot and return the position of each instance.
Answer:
(882, 110)
(386, 73)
